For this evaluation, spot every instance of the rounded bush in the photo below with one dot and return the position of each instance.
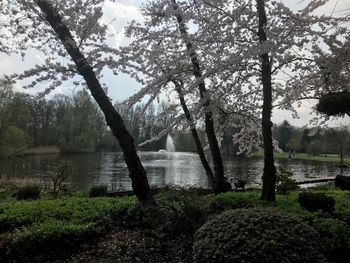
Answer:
(316, 201)
(98, 191)
(342, 182)
(28, 192)
(256, 235)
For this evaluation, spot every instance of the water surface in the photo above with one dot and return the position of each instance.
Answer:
(163, 168)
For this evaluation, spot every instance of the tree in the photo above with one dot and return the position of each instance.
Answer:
(6, 100)
(229, 52)
(43, 12)
(212, 48)
(269, 176)
(220, 184)
(284, 134)
(164, 73)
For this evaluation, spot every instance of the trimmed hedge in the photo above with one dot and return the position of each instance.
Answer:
(98, 191)
(256, 235)
(342, 182)
(28, 192)
(232, 201)
(314, 202)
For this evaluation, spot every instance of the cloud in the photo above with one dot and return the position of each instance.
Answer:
(117, 16)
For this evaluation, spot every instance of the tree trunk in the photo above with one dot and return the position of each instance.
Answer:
(137, 172)
(341, 156)
(195, 136)
(269, 175)
(221, 184)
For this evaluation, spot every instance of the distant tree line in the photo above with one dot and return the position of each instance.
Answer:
(304, 140)
(76, 124)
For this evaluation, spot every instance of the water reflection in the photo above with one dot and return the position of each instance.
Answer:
(182, 169)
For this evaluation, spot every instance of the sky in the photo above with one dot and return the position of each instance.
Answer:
(122, 86)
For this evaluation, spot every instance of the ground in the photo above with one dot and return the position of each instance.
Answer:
(123, 245)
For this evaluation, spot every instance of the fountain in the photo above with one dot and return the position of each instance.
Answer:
(170, 146)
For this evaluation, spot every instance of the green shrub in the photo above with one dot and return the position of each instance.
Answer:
(74, 210)
(334, 236)
(342, 182)
(180, 211)
(63, 171)
(284, 181)
(256, 235)
(227, 201)
(98, 191)
(316, 201)
(48, 228)
(49, 240)
(28, 192)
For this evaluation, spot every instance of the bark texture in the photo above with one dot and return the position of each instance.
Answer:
(137, 172)
(221, 185)
(269, 175)
(195, 137)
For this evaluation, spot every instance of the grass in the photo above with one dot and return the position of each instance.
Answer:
(333, 158)
(13, 183)
(40, 151)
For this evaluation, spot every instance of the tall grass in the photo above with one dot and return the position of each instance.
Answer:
(40, 150)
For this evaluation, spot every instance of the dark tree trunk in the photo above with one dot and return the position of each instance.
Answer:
(221, 184)
(195, 136)
(137, 172)
(269, 175)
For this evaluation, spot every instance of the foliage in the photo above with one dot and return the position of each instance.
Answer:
(256, 235)
(90, 216)
(49, 240)
(316, 201)
(76, 210)
(342, 182)
(228, 201)
(334, 232)
(49, 228)
(62, 173)
(75, 124)
(182, 211)
(284, 182)
(13, 140)
(284, 134)
(334, 104)
(98, 191)
(28, 192)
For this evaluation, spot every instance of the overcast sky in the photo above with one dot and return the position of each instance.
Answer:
(122, 87)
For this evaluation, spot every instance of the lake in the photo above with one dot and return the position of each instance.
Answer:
(163, 169)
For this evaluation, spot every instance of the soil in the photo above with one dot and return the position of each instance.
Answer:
(124, 245)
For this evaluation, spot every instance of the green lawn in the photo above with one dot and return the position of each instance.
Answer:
(334, 158)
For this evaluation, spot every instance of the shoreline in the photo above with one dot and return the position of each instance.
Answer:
(330, 158)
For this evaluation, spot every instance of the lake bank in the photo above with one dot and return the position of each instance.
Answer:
(331, 158)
